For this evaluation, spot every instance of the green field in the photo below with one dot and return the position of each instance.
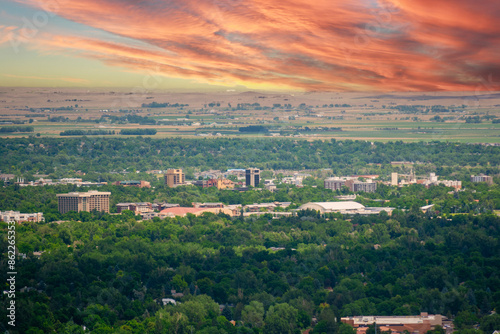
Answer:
(363, 130)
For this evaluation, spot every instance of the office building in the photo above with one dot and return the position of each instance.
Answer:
(225, 184)
(89, 201)
(358, 186)
(136, 207)
(18, 217)
(252, 177)
(334, 183)
(482, 178)
(174, 177)
(205, 183)
(394, 179)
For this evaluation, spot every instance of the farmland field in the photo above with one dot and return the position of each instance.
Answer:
(460, 117)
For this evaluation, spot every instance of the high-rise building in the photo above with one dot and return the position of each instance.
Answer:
(174, 177)
(394, 179)
(252, 177)
(89, 201)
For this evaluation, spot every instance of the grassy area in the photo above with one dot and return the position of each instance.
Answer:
(354, 125)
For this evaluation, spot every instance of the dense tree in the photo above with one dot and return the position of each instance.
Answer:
(281, 319)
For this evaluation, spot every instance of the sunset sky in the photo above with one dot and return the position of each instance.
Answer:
(320, 45)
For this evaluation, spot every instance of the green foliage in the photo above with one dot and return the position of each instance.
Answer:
(348, 157)
(86, 133)
(253, 314)
(253, 128)
(490, 323)
(281, 319)
(139, 132)
(111, 272)
(116, 267)
(18, 128)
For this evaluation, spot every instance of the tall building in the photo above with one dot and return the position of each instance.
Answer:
(252, 177)
(394, 179)
(89, 201)
(174, 177)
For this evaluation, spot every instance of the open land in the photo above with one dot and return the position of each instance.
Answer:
(409, 116)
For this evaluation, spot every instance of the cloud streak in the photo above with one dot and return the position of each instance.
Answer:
(389, 45)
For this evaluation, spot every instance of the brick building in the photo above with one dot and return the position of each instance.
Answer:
(174, 177)
(89, 201)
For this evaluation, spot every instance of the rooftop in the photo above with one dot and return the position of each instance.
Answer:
(332, 206)
(182, 211)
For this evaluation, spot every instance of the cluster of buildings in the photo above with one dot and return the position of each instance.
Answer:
(296, 179)
(42, 181)
(7, 177)
(99, 201)
(163, 210)
(351, 182)
(415, 324)
(219, 183)
(432, 180)
(18, 217)
(49, 182)
(355, 185)
(482, 178)
(175, 177)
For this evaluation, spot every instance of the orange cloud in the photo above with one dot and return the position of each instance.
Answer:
(6, 33)
(351, 45)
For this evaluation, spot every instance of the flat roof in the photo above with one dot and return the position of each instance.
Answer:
(332, 206)
(89, 193)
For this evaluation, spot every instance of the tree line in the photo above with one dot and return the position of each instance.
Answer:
(6, 129)
(342, 157)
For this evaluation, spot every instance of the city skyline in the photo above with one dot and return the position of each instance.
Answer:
(357, 45)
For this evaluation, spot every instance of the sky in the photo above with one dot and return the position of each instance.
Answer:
(296, 45)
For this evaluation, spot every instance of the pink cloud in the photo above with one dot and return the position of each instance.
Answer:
(323, 45)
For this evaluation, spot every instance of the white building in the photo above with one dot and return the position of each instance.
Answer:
(16, 216)
(325, 207)
(346, 207)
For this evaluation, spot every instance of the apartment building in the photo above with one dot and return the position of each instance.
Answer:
(174, 177)
(89, 201)
(482, 178)
(358, 186)
(334, 183)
